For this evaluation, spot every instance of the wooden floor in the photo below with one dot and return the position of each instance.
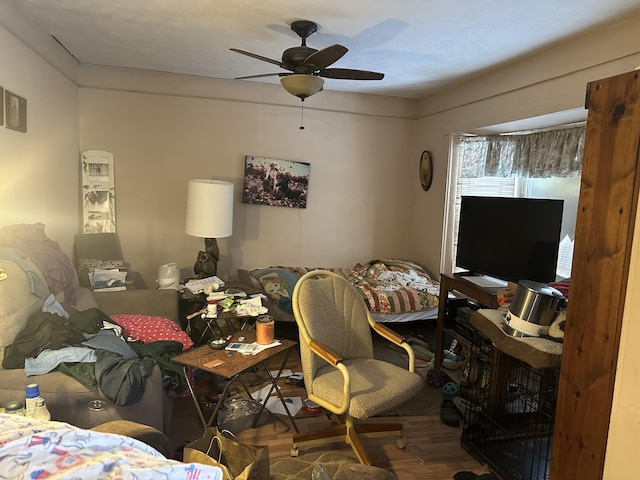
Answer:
(433, 450)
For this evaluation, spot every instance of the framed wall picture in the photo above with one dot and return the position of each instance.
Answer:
(98, 192)
(15, 108)
(1, 106)
(281, 183)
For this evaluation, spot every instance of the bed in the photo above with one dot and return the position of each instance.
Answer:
(393, 290)
(31, 448)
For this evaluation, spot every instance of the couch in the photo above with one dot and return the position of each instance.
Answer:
(24, 287)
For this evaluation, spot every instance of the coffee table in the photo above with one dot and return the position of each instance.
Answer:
(219, 362)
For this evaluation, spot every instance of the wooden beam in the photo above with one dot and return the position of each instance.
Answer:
(602, 251)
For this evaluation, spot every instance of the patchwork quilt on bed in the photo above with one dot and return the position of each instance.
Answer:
(387, 286)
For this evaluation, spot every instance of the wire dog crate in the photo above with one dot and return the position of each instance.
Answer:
(508, 421)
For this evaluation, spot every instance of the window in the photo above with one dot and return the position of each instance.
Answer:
(543, 164)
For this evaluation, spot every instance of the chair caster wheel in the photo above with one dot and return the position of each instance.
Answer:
(401, 442)
(295, 451)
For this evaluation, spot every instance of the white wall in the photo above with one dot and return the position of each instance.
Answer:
(165, 129)
(622, 461)
(39, 169)
(357, 146)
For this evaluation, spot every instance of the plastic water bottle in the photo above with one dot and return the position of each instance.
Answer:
(32, 396)
(41, 412)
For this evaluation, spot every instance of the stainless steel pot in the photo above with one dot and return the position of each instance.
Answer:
(532, 309)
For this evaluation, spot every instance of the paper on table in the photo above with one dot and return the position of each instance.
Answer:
(197, 285)
(251, 348)
(251, 307)
(260, 347)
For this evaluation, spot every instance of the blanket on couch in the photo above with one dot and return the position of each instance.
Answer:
(117, 353)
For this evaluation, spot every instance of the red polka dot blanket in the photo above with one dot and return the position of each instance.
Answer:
(150, 329)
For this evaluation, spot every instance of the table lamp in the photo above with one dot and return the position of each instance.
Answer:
(209, 216)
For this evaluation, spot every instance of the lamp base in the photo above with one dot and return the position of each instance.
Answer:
(207, 261)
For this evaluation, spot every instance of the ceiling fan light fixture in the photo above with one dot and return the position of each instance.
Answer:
(302, 85)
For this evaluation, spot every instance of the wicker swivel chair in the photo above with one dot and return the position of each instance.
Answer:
(340, 372)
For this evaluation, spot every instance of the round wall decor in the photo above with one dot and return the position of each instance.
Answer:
(426, 170)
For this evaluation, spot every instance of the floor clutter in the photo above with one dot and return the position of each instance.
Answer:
(440, 396)
(327, 465)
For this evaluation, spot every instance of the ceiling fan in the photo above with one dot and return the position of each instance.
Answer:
(307, 65)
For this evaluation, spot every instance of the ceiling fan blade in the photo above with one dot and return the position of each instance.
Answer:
(261, 75)
(325, 57)
(256, 56)
(350, 74)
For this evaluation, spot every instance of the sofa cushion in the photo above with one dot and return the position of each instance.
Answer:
(18, 303)
(69, 400)
(147, 329)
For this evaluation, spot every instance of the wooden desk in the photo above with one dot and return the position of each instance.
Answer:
(448, 283)
(218, 362)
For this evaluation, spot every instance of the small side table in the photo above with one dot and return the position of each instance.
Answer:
(193, 305)
(218, 362)
(208, 323)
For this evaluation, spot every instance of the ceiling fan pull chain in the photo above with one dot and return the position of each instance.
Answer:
(302, 116)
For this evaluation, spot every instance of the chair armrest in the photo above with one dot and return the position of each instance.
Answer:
(335, 360)
(397, 339)
(389, 334)
(325, 352)
(153, 302)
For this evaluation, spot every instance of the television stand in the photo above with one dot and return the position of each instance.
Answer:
(483, 280)
(463, 284)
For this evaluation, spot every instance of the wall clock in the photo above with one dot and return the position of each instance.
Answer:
(426, 170)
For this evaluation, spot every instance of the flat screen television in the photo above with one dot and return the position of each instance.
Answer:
(509, 238)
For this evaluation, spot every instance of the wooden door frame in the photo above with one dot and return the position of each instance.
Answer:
(602, 252)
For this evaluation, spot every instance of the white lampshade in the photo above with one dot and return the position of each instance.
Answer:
(302, 86)
(209, 208)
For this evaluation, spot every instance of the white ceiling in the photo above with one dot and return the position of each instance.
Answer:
(419, 45)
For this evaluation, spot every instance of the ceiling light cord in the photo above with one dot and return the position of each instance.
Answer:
(302, 115)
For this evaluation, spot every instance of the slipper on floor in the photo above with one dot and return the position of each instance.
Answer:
(465, 475)
(467, 408)
(449, 413)
(472, 476)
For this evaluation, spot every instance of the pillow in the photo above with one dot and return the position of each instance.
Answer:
(278, 283)
(150, 329)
